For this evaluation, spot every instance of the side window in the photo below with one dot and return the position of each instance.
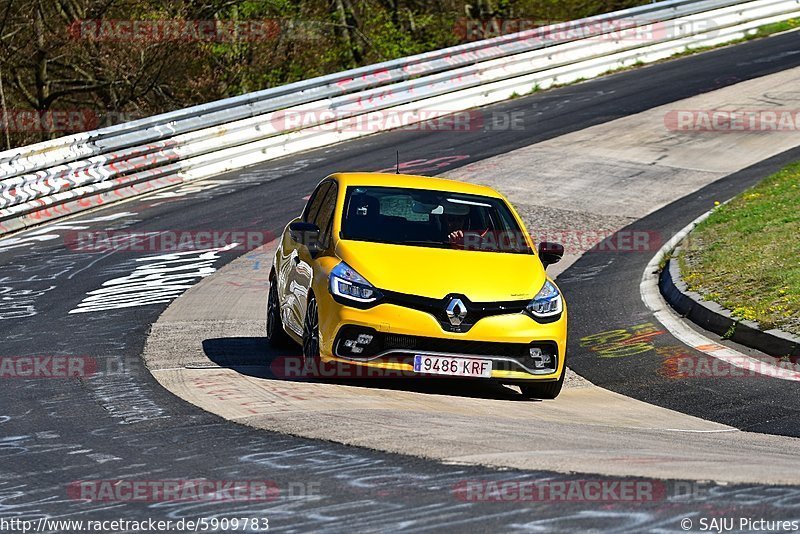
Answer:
(314, 203)
(324, 217)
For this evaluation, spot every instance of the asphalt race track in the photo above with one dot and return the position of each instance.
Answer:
(120, 424)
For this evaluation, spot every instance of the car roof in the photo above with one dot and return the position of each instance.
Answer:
(412, 181)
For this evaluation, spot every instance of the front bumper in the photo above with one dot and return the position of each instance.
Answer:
(399, 333)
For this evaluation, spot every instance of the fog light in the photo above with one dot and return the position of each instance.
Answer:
(357, 343)
(541, 360)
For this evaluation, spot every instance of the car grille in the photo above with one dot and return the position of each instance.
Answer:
(372, 343)
(454, 346)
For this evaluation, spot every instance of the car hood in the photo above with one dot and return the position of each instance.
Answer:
(437, 272)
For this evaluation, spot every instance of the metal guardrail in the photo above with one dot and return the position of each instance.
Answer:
(306, 90)
(69, 174)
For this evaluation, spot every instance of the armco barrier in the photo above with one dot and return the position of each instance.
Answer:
(66, 149)
(66, 175)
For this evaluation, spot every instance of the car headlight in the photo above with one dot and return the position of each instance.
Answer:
(345, 282)
(547, 302)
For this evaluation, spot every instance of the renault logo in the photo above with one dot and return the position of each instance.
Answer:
(456, 311)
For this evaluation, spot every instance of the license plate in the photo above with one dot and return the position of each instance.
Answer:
(443, 365)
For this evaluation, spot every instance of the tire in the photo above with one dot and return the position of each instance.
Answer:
(543, 390)
(311, 357)
(276, 335)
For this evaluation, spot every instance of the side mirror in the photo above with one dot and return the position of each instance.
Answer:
(306, 234)
(550, 253)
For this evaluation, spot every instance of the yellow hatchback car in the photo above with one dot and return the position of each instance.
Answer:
(423, 276)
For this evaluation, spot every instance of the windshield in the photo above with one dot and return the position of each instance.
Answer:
(420, 217)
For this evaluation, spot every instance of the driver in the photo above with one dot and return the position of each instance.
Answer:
(455, 225)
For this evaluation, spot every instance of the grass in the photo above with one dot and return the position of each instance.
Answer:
(746, 255)
(776, 27)
(762, 31)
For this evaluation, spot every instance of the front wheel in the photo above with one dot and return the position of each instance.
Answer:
(311, 357)
(543, 390)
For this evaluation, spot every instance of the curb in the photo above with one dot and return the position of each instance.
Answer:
(714, 318)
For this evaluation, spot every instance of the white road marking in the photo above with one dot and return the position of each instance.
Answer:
(112, 252)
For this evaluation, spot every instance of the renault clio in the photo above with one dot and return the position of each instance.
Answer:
(426, 275)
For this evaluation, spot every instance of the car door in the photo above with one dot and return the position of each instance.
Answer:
(295, 288)
(306, 264)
